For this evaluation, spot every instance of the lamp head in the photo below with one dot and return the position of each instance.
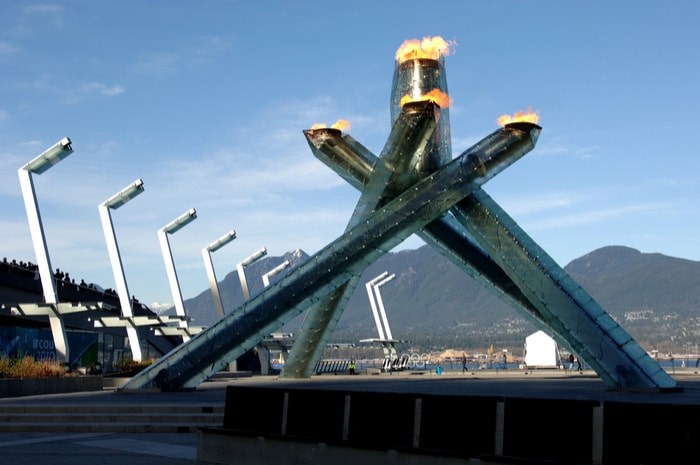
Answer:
(222, 241)
(50, 157)
(124, 195)
(278, 268)
(385, 280)
(256, 256)
(181, 221)
(378, 278)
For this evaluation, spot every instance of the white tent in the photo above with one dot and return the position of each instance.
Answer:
(541, 351)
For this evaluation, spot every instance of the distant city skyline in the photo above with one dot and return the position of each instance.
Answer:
(207, 103)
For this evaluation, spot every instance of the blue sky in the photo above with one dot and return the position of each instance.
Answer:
(206, 102)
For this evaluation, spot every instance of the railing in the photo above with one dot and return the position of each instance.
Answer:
(331, 366)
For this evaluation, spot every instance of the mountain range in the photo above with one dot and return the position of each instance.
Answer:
(435, 305)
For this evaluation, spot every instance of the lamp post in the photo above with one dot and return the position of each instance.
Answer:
(209, 265)
(240, 267)
(373, 301)
(385, 337)
(114, 202)
(266, 277)
(38, 165)
(380, 303)
(171, 228)
(264, 352)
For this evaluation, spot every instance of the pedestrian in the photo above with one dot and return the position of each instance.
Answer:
(351, 367)
(579, 367)
(464, 362)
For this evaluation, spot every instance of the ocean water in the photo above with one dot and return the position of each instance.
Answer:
(456, 366)
(423, 363)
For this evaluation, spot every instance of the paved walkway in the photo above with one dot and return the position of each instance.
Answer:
(98, 449)
(108, 448)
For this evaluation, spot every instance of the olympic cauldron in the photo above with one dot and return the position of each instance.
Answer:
(415, 186)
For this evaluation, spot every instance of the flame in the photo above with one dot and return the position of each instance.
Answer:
(519, 117)
(436, 96)
(341, 125)
(429, 47)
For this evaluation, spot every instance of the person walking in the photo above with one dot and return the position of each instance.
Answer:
(464, 362)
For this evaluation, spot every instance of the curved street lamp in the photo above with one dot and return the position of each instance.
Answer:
(39, 165)
(380, 303)
(114, 202)
(240, 267)
(171, 228)
(209, 265)
(266, 277)
(369, 286)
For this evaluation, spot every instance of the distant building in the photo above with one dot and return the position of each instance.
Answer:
(541, 351)
(20, 335)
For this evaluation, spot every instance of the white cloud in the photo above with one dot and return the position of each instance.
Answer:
(234, 176)
(164, 63)
(207, 48)
(158, 64)
(538, 203)
(103, 89)
(593, 216)
(75, 94)
(460, 144)
(17, 242)
(42, 8)
(7, 48)
(39, 16)
(83, 91)
(557, 147)
(41, 84)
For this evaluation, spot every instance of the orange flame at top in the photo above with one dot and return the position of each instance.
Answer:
(429, 47)
(341, 125)
(436, 96)
(519, 117)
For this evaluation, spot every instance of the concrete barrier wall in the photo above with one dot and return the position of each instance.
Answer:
(411, 423)
(408, 427)
(657, 433)
(549, 429)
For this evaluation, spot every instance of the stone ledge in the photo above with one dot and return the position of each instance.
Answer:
(17, 387)
(109, 382)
